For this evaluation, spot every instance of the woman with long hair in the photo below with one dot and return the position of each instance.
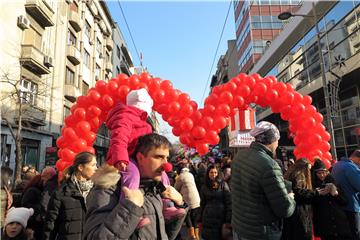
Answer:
(299, 226)
(67, 209)
(215, 206)
(6, 196)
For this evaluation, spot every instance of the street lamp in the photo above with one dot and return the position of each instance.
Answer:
(286, 15)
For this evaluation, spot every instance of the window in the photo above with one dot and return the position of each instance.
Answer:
(70, 77)
(66, 111)
(117, 70)
(87, 29)
(28, 92)
(86, 58)
(98, 45)
(118, 52)
(85, 88)
(71, 38)
(97, 71)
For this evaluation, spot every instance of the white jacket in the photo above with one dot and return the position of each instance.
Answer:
(185, 184)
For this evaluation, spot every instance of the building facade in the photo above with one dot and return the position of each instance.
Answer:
(256, 25)
(299, 65)
(54, 52)
(122, 60)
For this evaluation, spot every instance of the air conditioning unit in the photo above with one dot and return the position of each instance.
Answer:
(23, 22)
(48, 61)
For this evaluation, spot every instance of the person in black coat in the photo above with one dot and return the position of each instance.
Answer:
(215, 206)
(66, 210)
(330, 222)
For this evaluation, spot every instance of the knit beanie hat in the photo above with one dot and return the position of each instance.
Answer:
(20, 215)
(319, 166)
(265, 133)
(141, 99)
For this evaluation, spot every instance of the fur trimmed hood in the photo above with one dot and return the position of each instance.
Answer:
(106, 176)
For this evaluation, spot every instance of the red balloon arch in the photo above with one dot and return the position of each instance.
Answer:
(196, 127)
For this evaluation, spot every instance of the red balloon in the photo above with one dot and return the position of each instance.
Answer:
(94, 123)
(212, 99)
(194, 105)
(310, 110)
(297, 110)
(93, 111)
(184, 98)
(89, 149)
(209, 109)
(186, 124)
(230, 86)
(107, 102)
(202, 148)
(260, 89)
(314, 139)
(61, 165)
(198, 132)
(123, 91)
(67, 155)
(250, 81)
(318, 117)
(185, 138)
(243, 90)
(219, 122)
(79, 145)
(101, 86)
(83, 127)
(134, 81)
(238, 102)
(186, 110)
(324, 146)
(307, 100)
(327, 155)
(60, 142)
(122, 79)
(172, 95)
(80, 114)
(90, 137)
(212, 137)
(226, 97)
(309, 123)
(207, 122)
(196, 116)
(287, 98)
(289, 87)
(73, 108)
(154, 85)
(280, 87)
(159, 95)
(174, 107)
(70, 135)
(223, 110)
(176, 131)
(326, 136)
(271, 95)
(166, 85)
(82, 101)
(112, 86)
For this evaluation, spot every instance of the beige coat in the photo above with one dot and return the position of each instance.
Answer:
(185, 184)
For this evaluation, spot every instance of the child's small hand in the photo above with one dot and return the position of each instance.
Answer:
(121, 166)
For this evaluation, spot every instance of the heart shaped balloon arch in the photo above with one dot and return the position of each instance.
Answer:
(196, 127)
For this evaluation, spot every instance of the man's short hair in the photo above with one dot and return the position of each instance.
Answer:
(356, 154)
(149, 141)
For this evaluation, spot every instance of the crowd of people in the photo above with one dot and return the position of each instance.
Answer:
(137, 195)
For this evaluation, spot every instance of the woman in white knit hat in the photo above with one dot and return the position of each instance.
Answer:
(15, 224)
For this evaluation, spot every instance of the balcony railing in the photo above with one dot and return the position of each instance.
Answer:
(73, 54)
(74, 19)
(40, 11)
(33, 59)
(71, 92)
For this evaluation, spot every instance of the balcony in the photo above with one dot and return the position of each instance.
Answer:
(124, 67)
(108, 67)
(32, 114)
(71, 92)
(73, 54)
(92, 7)
(109, 44)
(33, 60)
(74, 19)
(40, 11)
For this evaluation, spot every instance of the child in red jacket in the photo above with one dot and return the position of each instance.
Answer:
(127, 123)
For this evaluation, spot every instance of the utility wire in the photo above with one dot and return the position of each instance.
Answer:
(217, 48)
(132, 39)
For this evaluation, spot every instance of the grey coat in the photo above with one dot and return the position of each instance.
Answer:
(259, 196)
(107, 218)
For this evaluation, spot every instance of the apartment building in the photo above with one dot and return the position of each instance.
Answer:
(122, 60)
(294, 58)
(54, 51)
(256, 26)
